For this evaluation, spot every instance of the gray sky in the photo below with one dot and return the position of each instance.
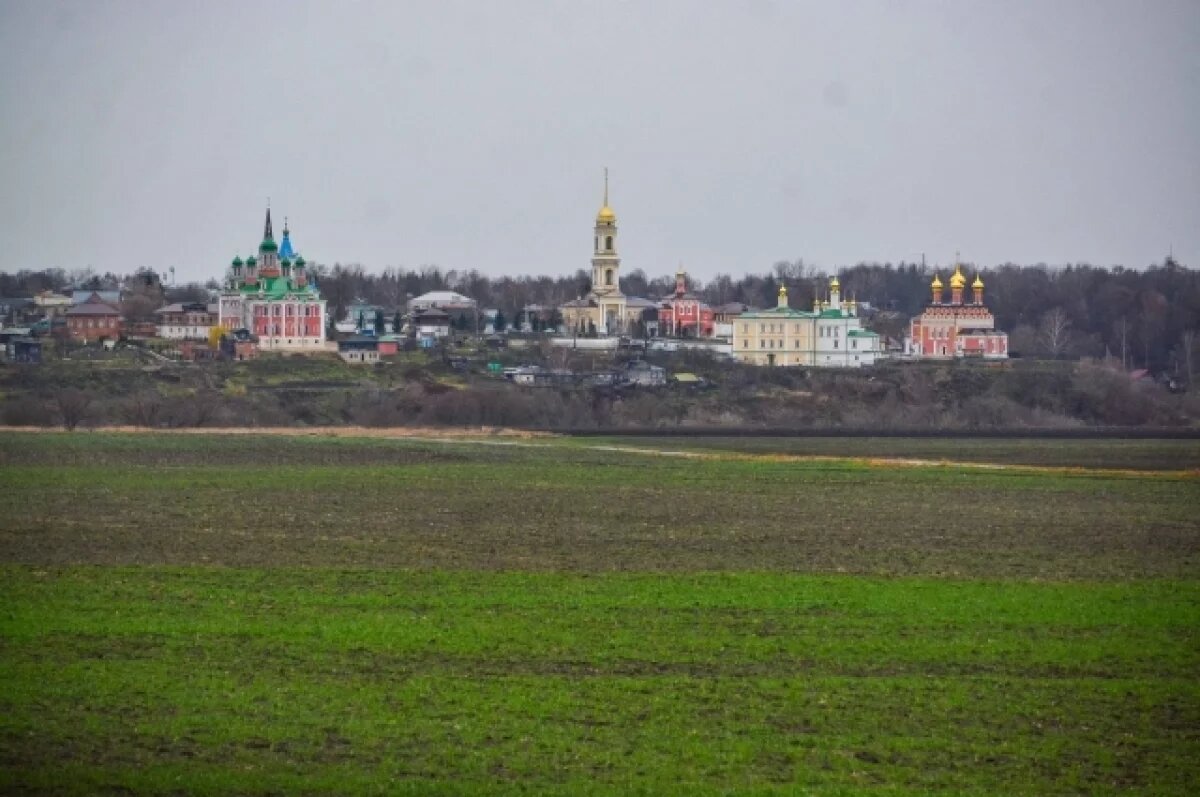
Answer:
(474, 134)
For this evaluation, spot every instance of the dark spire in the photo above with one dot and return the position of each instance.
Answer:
(267, 234)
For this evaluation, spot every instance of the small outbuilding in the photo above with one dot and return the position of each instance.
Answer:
(361, 349)
(25, 350)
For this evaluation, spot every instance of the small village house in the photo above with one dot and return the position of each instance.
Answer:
(186, 321)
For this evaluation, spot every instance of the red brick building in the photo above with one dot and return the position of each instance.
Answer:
(684, 315)
(93, 320)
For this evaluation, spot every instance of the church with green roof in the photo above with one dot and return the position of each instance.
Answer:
(831, 335)
(272, 296)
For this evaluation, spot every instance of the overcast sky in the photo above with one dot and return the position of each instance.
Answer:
(474, 134)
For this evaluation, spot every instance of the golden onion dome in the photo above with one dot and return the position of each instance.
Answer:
(834, 284)
(978, 283)
(937, 282)
(606, 214)
(957, 280)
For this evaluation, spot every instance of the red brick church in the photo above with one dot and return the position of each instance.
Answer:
(956, 328)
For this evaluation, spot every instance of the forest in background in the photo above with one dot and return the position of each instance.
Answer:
(1143, 318)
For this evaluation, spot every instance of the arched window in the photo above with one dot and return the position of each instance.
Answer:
(608, 275)
(608, 243)
(597, 243)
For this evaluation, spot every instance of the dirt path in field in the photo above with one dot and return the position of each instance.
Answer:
(500, 436)
(424, 433)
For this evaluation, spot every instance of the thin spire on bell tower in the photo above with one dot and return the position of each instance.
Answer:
(605, 186)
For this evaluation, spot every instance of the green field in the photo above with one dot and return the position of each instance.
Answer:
(249, 614)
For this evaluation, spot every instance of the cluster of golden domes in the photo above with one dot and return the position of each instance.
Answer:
(957, 280)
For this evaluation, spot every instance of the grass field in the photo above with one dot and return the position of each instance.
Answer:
(286, 615)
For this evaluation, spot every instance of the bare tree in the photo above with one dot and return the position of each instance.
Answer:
(73, 405)
(1187, 351)
(1121, 328)
(143, 408)
(1054, 332)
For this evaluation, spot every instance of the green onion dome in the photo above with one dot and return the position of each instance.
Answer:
(267, 246)
(237, 262)
(299, 262)
(285, 261)
(250, 261)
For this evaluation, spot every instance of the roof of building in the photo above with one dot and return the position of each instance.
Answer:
(444, 297)
(93, 308)
(285, 246)
(778, 312)
(178, 307)
(831, 312)
(278, 287)
(358, 342)
(861, 333)
(79, 297)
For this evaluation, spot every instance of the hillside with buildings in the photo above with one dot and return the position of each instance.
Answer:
(282, 340)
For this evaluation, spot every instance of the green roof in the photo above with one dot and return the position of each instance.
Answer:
(862, 333)
(776, 312)
(277, 288)
(267, 246)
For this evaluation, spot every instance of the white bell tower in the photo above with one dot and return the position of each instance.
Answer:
(606, 263)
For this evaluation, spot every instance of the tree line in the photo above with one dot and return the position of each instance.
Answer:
(1144, 318)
